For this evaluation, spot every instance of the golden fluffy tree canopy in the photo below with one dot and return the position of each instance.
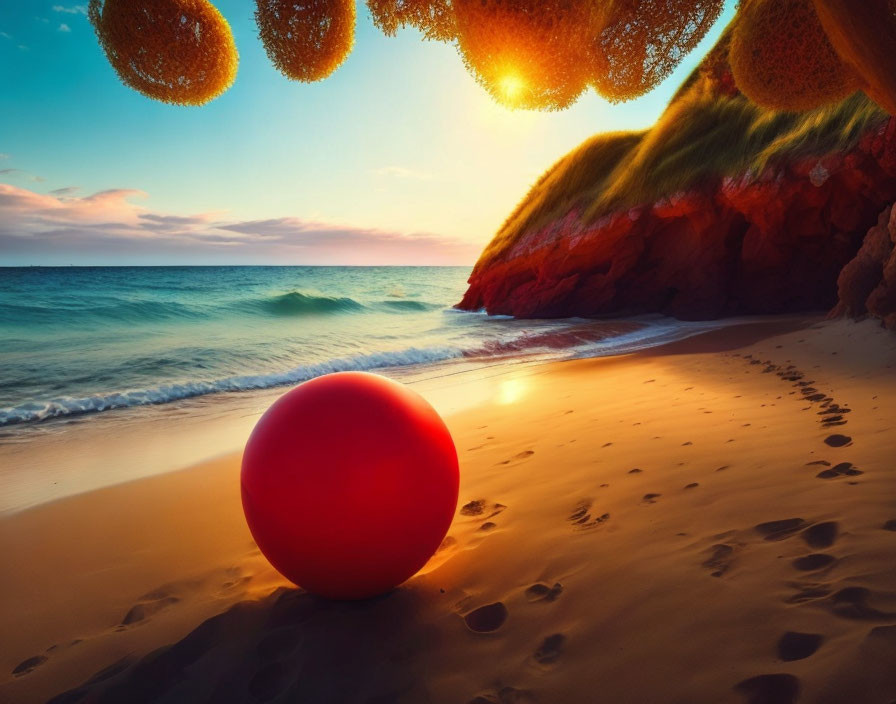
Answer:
(525, 53)
(781, 57)
(637, 44)
(434, 18)
(864, 35)
(176, 51)
(308, 40)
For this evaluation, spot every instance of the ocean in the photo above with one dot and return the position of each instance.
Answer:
(82, 344)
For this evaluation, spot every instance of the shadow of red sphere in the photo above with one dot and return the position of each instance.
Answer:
(349, 484)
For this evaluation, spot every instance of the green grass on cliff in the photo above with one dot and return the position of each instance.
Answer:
(701, 137)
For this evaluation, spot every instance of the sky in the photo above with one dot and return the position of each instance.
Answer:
(399, 157)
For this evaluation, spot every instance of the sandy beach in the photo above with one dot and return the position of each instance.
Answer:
(709, 521)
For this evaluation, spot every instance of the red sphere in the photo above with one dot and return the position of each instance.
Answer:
(349, 484)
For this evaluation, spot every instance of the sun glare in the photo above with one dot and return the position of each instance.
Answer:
(511, 88)
(511, 391)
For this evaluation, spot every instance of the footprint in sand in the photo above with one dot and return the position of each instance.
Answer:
(27, 666)
(844, 469)
(550, 649)
(650, 498)
(581, 516)
(814, 562)
(486, 619)
(852, 603)
(542, 592)
(838, 440)
(821, 535)
(519, 456)
(779, 688)
(808, 591)
(720, 559)
(478, 507)
(798, 646)
(780, 530)
(149, 605)
(235, 581)
(692, 485)
(890, 525)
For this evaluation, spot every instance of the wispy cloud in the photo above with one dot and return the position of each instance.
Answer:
(71, 9)
(45, 227)
(402, 172)
(3, 156)
(65, 192)
(5, 35)
(64, 28)
(20, 172)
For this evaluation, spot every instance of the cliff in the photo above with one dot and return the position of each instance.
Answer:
(867, 285)
(722, 208)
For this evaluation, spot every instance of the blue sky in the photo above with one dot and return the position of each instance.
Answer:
(399, 146)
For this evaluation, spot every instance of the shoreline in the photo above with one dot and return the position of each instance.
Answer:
(722, 448)
(69, 455)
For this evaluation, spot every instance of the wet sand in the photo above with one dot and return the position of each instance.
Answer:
(711, 521)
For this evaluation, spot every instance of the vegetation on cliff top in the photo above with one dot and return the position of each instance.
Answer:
(709, 131)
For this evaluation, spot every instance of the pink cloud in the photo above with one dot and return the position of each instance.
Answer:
(60, 226)
(35, 208)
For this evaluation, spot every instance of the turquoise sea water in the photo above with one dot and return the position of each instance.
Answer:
(79, 341)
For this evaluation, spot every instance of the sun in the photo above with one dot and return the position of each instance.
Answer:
(511, 88)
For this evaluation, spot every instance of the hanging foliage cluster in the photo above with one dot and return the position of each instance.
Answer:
(637, 44)
(306, 41)
(864, 35)
(176, 51)
(434, 18)
(781, 57)
(525, 53)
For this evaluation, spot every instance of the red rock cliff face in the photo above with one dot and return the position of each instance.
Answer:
(867, 285)
(768, 244)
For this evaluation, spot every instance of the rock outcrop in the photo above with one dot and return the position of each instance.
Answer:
(773, 242)
(867, 284)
